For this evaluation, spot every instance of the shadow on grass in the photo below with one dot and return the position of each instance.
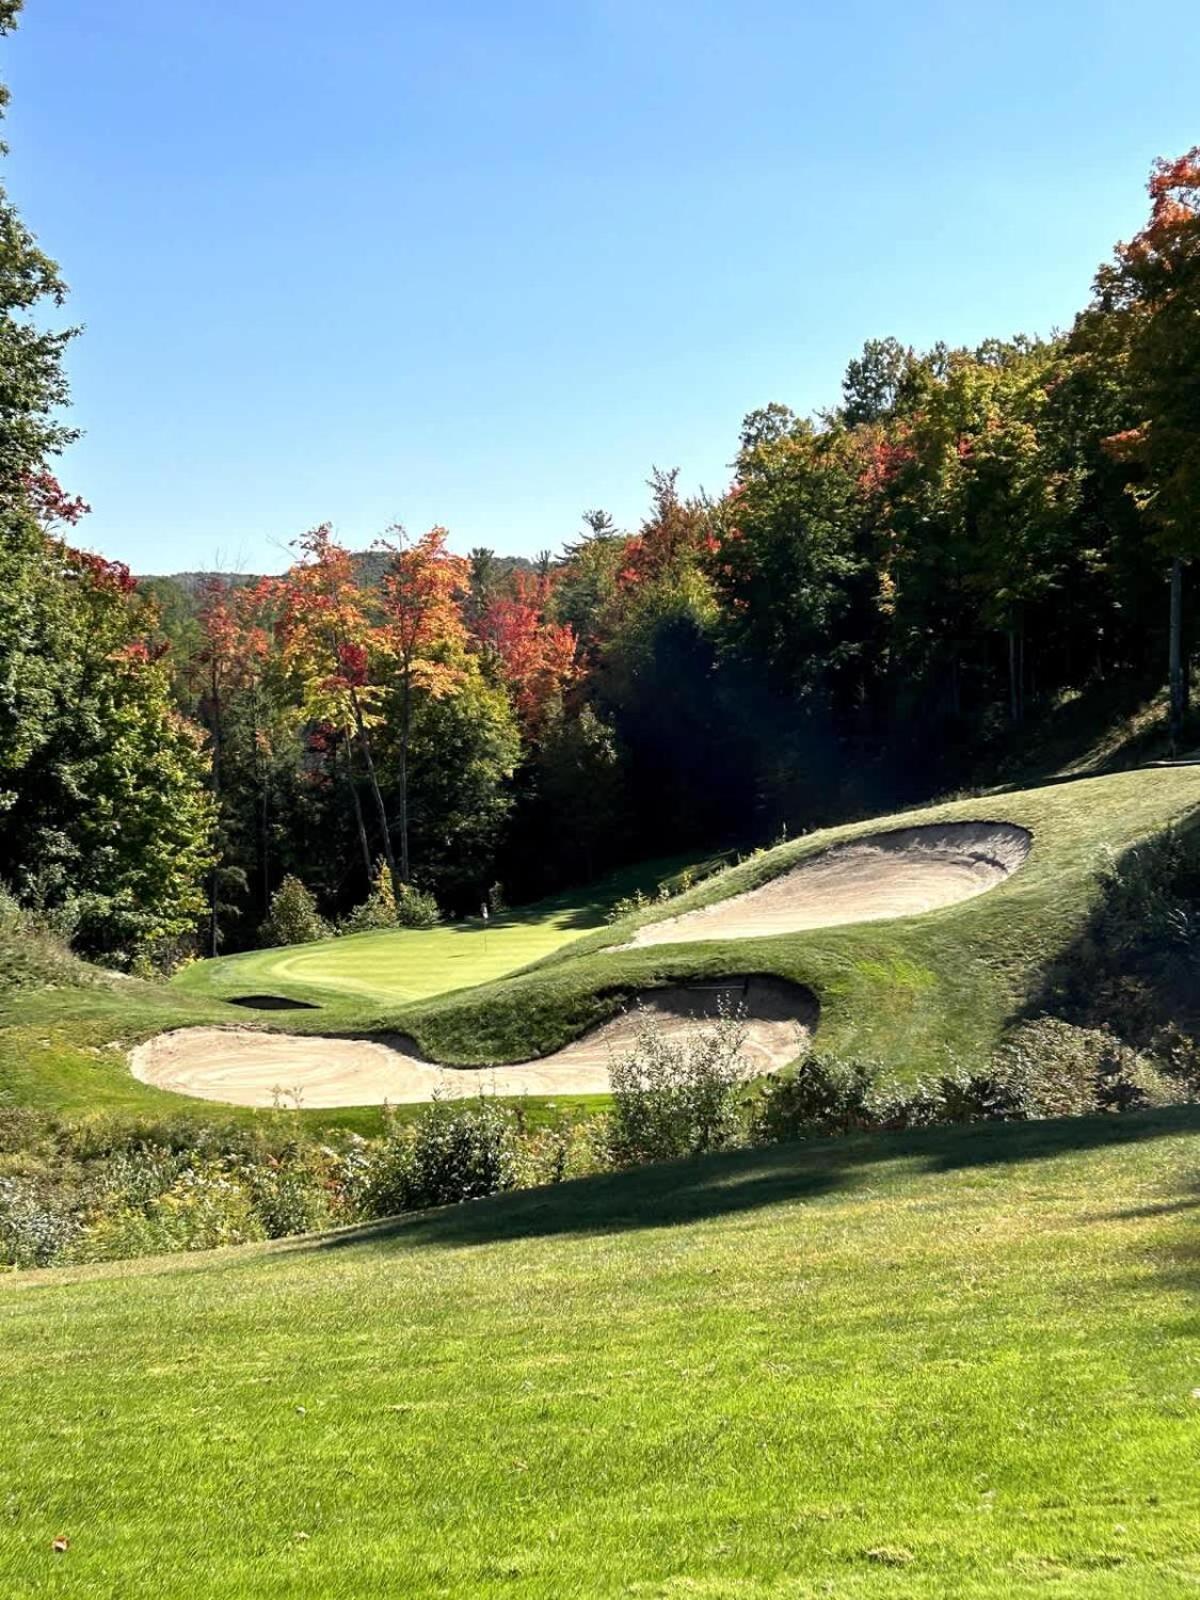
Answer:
(671, 1194)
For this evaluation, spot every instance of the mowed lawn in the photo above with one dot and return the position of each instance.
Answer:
(395, 966)
(958, 1363)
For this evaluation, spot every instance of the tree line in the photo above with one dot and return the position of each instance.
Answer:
(886, 593)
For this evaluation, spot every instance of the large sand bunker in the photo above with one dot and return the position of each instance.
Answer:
(883, 875)
(243, 1067)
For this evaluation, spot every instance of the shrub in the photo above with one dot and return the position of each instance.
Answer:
(289, 1198)
(204, 1208)
(415, 908)
(37, 1223)
(378, 910)
(1051, 1068)
(455, 1150)
(820, 1097)
(1178, 1057)
(678, 1096)
(293, 917)
(575, 1149)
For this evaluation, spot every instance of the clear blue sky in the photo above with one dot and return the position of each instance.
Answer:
(484, 263)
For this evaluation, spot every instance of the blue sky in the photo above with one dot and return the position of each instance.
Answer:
(484, 264)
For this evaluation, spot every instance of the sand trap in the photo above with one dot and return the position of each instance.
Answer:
(898, 874)
(242, 1067)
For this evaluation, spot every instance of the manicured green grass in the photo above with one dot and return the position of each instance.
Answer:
(393, 967)
(906, 992)
(958, 1363)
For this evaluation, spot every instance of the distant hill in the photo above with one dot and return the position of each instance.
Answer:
(369, 564)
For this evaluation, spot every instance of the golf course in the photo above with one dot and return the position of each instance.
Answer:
(951, 1361)
(599, 803)
(913, 934)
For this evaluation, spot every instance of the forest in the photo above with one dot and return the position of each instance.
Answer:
(882, 603)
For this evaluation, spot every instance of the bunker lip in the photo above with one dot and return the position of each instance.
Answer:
(270, 1002)
(249, 1067)
(879, 876)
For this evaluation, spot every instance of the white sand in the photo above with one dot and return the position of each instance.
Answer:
(898, 874)
(244, 1067)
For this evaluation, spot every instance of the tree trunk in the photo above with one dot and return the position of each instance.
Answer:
(405, 726)
(364, 743)
(264, 814)
(1016, 669)
(1177, 676)
(214, 924)
(359, 824)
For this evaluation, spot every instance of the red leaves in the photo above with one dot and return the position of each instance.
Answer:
(537, 658)
(51, 504)
(140, 653)
(113, 576)
(353, 662)
(1173, 231)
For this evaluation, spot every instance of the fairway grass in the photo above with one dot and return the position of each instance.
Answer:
(956, 1363)
(909, 993)
(395, 966)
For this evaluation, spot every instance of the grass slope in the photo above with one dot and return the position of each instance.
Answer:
(393, 967)
(961, 1363)
(904, 992)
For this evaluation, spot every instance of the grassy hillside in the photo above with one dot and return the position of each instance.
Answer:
(951, 1363)
(904, 992)
(393, 967)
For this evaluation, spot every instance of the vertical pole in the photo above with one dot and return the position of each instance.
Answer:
(1175, 661)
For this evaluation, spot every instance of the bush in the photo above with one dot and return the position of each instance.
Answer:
(384, 908)
(416, 909)
(575, 1149)
(290, 1197)
(204, 1208)
(819, 1098)
(293, 917)
(38, 1225)
(678, 1096)
(1051, 1068)
(455, 1150)
(378, 910)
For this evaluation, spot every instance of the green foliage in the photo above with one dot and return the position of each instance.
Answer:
(416, 908)
(819, 1097)
(678, 1096)
(293, 917)
(378, 910)
(107, 818)
(1048, 1068)
(1052, 1069)
(454, 1151)
(34, 947)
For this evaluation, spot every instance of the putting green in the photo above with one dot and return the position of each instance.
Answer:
(395, 966)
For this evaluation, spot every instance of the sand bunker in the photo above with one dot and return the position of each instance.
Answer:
(243, 1067)
(883, 875)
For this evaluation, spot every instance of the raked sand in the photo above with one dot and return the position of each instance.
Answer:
(246, 1067)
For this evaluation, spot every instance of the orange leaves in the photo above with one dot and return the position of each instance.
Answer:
(326, 632)
(1172, 235)
(422, 593)
(536, 657)
(1126, 445)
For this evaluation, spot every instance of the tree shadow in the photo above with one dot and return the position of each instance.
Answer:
(672, 1194)
(1132, 967)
